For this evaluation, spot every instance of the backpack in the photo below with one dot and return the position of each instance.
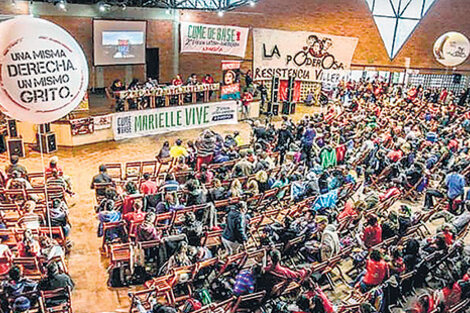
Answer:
(203, 296)
(191, 305)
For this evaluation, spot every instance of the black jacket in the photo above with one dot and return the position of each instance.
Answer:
(235, 230)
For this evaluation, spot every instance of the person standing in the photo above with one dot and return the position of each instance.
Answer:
(205, 148)
(234, 235)
(307, 143)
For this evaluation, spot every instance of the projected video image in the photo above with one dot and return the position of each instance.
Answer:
(119, 42)
(122, 45)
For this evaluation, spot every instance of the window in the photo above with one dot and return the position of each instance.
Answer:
(397, 19)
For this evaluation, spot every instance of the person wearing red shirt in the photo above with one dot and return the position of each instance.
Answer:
(208, 79)
(351, 210)
(425, 304)
(246, 101)
(29, 247)
(395, 155)
(177, 81)
(443, 96)
(129, 198)
(135, 217)
(276, 268)
(148, 187)
(372, 234)
(448, 235)
(54, 167)
(377, 270)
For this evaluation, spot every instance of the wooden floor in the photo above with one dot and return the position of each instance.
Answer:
(87, 268)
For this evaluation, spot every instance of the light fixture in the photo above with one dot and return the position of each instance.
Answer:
(61, 4)
(102, 7)
(252, 3)
(13, 3)
(220, 13)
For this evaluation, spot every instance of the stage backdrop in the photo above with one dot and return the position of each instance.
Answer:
(307, 56)
(215, 39)
(150, 122)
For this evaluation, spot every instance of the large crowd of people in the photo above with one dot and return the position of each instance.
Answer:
(34, 230)
(333, 212)
(330, 213)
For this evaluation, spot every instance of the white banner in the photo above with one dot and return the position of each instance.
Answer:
(307, 56)
(214, 39)
(157, 121)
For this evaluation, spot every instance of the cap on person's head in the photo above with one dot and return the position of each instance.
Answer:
(102, 168)
(179, 142)
(21, 304)
(14, 159)
(146, 176)
(321, 219)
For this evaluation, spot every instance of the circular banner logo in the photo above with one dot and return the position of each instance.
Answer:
(43, 71)
(451, 49)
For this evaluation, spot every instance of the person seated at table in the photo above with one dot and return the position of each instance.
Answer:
(208, 79)
(112, 92)
(177, 81)
(192, 80)
(151, 83)
(30, 220)
(117, 85)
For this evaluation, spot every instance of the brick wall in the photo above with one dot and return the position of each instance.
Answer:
(20, 7)
(159, 36)
(335, 17)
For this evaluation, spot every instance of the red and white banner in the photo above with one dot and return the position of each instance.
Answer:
(306, 56)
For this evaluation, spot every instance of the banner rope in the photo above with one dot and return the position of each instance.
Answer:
(45, 182)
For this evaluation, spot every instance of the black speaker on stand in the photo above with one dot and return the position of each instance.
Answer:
(46, 139)
(273, 105)
(12, 129)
